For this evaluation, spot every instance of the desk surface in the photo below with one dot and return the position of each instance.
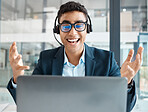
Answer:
(7, 107)
(7, 103)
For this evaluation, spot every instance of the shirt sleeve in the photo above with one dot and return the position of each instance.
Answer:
(13, 84)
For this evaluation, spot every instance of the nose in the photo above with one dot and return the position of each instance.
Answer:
(72, 31)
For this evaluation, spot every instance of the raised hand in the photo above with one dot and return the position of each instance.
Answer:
(16, 62)
(128, 68)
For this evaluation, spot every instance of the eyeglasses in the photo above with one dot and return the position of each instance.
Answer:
(79, 26)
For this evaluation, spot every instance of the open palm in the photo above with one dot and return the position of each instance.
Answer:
(129, 68)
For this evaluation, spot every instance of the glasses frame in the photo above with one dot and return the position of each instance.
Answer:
(72, 25)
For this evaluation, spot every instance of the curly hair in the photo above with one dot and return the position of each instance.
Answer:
(71, 6)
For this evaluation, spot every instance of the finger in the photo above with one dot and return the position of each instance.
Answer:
(14, 53)
(137, 63)
(140, 50)
(130, 55)
(23, 67)
(13, 44)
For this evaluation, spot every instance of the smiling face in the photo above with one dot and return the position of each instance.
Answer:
(73, 40)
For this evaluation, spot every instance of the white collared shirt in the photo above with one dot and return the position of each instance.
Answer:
(72, 70)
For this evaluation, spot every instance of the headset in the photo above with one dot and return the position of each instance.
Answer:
(56, 28)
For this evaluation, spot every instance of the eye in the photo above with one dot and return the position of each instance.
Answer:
(65, 27)
(80, 26)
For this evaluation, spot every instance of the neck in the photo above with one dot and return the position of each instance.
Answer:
(74, 57)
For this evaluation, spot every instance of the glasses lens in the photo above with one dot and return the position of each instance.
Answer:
(80, 26)
(65, 27)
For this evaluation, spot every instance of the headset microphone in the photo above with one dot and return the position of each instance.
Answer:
(56, 38)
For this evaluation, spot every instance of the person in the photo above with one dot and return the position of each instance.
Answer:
(75, 57)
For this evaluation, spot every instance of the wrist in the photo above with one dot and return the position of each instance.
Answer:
(14, 80)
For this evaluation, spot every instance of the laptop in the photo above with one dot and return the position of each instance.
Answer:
(71, 94)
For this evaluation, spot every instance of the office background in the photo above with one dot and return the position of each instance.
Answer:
(118, 25)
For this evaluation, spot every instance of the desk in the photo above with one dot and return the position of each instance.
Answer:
(7, 103)
(7, 107)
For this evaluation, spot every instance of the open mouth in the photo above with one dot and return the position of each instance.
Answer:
(73, 40)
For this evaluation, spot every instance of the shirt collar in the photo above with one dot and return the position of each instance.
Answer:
(82, 59)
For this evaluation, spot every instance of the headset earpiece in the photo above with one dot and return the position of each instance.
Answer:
(88, 28)
(56, 27)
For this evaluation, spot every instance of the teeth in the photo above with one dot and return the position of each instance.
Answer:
(72, 40)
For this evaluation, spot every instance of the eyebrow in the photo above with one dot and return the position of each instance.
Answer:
(66, 21)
